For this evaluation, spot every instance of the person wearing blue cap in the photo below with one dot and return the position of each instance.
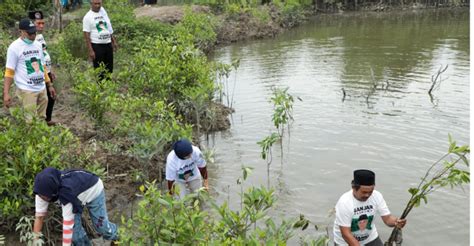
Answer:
(355, 211)
(186, 168)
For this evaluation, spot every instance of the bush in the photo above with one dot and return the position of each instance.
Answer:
(14, 10)
(27, 149)
(161, 219)
(164, 68)
(202, 27)
(5, 41)
(73, 38)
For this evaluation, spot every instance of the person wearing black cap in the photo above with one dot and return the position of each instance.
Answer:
(185, 168)
(31, 84)
(38, 19)
(355, 211)
(74, 190)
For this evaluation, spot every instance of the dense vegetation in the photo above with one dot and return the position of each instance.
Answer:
(164, 88)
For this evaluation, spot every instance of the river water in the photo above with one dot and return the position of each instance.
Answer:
(398, 132)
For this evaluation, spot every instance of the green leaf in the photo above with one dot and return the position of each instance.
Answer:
(413, 191)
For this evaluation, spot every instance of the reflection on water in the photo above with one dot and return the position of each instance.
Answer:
(386, 122)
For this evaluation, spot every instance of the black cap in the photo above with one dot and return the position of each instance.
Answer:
(364, 177)
(27, 25)
(182, 148)
(33, 59)
(35, 15)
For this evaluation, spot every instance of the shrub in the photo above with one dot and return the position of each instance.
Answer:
(164, 68)
(5, 41)
(73, 39)
(201, 26)
(27, 149)
(160, 219)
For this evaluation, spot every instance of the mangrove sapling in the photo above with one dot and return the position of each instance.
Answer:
(282, 113)
(27, 235)
(282, 109)
(266, 153)
(245, 172)
(440, 174)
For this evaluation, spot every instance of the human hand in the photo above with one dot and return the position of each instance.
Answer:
(92, 55)
(52, 92)
(6, 100)
(206, 184)
(400, 223)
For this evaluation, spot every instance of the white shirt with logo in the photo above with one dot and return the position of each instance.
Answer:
(27, 61)
(98, 25)
(184, 170)
(47, 57)
(350, 211)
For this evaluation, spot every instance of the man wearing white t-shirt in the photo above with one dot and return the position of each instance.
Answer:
(185, 168)
(98, 34)
(38, 19)
(25, 66)
(355, 212)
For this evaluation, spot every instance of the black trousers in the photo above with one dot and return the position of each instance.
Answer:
(49, 108)
(104, 54)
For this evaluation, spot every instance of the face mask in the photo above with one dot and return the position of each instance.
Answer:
(27, 41)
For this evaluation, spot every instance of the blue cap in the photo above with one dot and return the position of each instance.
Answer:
(182, 148)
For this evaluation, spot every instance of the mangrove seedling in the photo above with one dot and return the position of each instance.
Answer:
(444, 172)
(266, 154)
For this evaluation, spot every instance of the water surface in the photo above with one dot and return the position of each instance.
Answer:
(398, 132)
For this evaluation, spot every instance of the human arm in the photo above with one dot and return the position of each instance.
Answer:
(87, 38)
(348, 237)
(7, 81)
(49, 83)
(68, 224)
(41, 210)
(201, 164)
(170, 186)
(12, 60)
(203, 171)
(392, 221)
(114, 42)
(170, 172)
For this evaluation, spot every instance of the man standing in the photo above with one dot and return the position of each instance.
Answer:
(355, 212)
(25, 66)
(98, 34)
(38, 20)
(186, 167)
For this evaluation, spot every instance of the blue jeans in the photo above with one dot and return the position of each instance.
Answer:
(100, 220)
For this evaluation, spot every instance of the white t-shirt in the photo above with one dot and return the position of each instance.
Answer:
(27, 61)
(98, 25)
(184, 170)
(349, 211)
(47, 58)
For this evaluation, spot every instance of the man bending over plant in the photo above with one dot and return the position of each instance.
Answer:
(186, 167)
(74, 189)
